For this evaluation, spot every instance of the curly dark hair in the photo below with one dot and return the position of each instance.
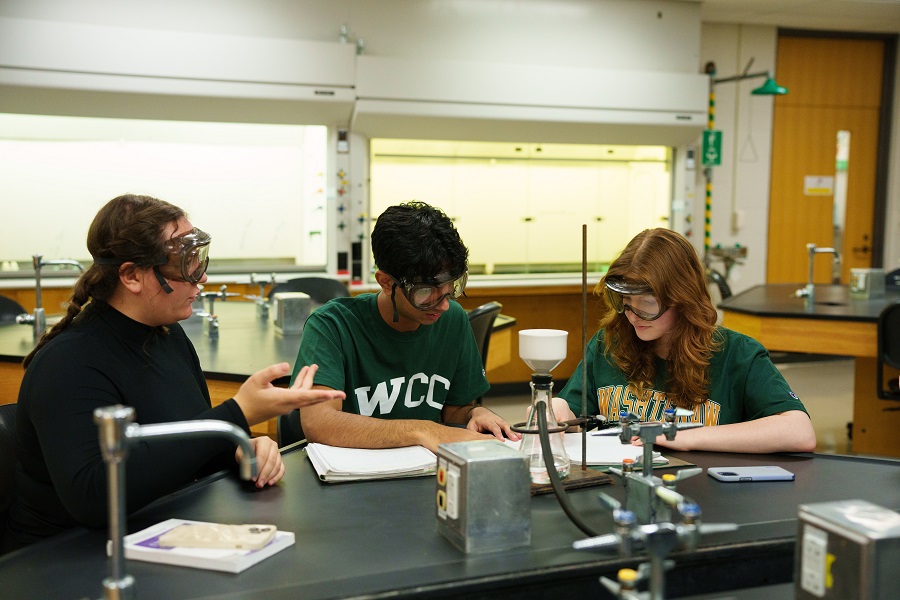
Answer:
(415, 241)
(128, 228)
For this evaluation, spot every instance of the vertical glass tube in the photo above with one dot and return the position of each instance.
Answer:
(541, 393)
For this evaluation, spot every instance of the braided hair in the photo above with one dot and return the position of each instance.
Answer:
(128, 229)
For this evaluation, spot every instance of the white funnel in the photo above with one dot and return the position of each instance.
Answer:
(542, 349)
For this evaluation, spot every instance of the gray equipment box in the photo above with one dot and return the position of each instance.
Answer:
(867, 283)
(291, 311)
(847, 550)
(483, 497)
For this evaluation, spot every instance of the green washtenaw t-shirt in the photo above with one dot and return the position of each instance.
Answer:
(390, 374)
(744, 385)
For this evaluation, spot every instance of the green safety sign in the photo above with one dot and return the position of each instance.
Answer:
(712, 148)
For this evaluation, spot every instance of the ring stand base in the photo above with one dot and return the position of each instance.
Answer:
(577, 478)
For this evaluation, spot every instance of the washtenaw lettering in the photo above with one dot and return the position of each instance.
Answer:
(650, 406)
(419, 389)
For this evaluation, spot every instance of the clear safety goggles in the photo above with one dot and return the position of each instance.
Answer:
(637, 297)
(186, 258)
(428, 295)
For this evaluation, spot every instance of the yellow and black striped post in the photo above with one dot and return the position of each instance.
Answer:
(707, 217)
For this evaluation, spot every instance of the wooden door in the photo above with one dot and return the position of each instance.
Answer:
(834, 85)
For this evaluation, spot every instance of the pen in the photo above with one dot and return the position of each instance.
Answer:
(613, 431)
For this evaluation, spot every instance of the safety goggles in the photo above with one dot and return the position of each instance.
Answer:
(426, 295)
(637, 297)
(186, 258)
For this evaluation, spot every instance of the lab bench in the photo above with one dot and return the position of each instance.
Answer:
(833, 323)
(245, 345)
(537, 301)
(379, 539)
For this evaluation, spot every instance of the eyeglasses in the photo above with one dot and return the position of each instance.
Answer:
(424, 296)
(187, 255)
(636, 297)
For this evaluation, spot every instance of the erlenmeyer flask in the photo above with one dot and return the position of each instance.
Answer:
(541, 388)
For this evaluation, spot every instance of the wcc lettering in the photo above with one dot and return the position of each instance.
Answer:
(420, 388)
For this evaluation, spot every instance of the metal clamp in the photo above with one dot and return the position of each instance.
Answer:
(658, 539)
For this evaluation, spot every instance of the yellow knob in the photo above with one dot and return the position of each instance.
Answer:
(627, 575)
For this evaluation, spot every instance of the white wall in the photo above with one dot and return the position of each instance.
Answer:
(266, 60)
(575, 33)
(272, 176)
(740, 185)
(292, 19)
(648, 35)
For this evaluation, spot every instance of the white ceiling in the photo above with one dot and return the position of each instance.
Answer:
(881, 16)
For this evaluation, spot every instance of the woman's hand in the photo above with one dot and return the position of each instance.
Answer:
(269, 468)
(562, 412)
(260, 400)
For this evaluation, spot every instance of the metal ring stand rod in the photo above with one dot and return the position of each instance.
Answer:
(585, 422)
(584, 345)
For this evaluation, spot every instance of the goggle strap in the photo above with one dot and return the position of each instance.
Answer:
(394, 303)
(112, 260)
(164, 284)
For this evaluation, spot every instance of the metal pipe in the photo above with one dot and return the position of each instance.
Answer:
(201, 428)
(111, 423)
(835, 266)
(116, 429)
(36, 263)
(62, 261)
(38, 318)
(742, 77)
(584, 426)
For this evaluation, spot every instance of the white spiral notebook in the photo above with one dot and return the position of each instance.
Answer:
(334, 464)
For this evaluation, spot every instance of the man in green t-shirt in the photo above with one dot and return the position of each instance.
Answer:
(405, 356)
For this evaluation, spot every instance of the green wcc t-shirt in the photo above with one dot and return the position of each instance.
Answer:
(744, 385)
(390, 374)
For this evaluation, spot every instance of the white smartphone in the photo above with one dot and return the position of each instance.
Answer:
(218, 535)
(765, 473)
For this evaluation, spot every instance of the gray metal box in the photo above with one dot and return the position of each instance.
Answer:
(847, 550)
(291, 311)
(867, 283)
(483, 497)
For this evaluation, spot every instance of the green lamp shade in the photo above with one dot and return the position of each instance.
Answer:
(769, 88)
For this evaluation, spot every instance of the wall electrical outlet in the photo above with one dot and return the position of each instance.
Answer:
(690, 158)
(738, 220)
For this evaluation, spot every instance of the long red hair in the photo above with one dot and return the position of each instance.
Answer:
(668, 263)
